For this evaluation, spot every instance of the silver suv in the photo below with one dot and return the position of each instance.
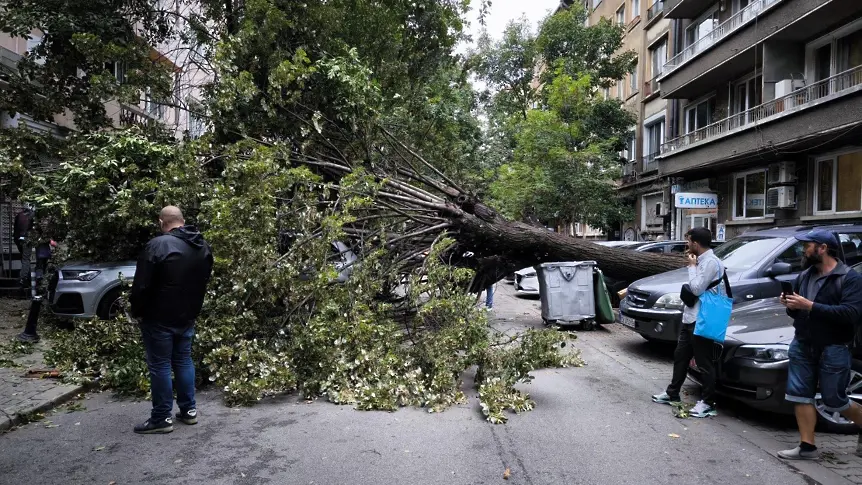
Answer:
(88, 290)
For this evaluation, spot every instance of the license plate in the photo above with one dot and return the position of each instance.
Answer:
(627, 321)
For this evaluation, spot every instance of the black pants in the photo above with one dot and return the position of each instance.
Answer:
(705, 352)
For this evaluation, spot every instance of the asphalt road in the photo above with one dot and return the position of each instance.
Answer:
(592, 425)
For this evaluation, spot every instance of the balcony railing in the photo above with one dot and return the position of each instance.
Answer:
(651, 87)
(727, 27)
(655, 9)
(9, 60)
(835, 86)
(650, 163)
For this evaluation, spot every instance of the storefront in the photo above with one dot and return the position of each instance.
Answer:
(696, 206)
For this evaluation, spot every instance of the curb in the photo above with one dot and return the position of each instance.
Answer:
(8, 422)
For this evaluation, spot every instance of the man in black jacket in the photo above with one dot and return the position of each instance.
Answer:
(826, 306)
(167, 295)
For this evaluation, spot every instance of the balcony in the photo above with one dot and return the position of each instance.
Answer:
(808, 97)
(685, 9)
(651, 88)
(719, 33)
(8, 61)
(655, 10)
(650, 163)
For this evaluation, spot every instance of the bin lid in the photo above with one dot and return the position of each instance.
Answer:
(566, 264)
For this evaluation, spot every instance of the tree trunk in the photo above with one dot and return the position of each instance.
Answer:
(503, 246)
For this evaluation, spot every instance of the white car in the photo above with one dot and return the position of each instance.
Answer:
(526, 282)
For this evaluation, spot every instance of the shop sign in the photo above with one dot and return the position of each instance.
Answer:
(696, 200)
(720, 232)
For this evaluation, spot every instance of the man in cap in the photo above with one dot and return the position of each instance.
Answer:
(826, 305)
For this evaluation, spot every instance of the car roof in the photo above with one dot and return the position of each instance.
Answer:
(790, 231)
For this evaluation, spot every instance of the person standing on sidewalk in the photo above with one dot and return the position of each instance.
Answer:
(826, 306)
(704, 274)
(167, 296)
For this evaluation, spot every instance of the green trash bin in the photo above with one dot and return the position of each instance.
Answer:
(604, 307)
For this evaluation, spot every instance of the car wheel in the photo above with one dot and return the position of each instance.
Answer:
(111, 305)
(834, 422)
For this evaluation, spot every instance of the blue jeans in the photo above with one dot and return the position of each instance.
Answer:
(489, 296)
(169, 349)
(830, 365)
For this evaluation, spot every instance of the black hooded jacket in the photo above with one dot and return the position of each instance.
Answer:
(171, 278)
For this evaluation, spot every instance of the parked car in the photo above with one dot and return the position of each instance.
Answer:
(90, 290)
(665, 247)
(753, 364)
(526, 282)
(756, 263)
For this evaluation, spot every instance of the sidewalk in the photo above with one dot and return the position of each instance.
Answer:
(21, 396)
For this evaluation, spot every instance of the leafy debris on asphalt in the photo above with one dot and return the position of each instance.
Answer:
(682, 410)
(831, 457)
(507, 474)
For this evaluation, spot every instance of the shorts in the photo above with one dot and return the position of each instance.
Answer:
(830, 365)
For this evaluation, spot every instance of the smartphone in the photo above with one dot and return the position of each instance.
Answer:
(786, 288)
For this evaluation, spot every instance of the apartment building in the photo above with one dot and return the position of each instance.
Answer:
(648, 33)
(181, 114)
(763, 114)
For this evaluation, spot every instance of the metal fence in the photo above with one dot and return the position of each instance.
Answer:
(846, 81)
(717, 34)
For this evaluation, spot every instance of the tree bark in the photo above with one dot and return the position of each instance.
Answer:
(503, 246)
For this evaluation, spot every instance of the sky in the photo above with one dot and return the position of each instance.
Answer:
(502, 11)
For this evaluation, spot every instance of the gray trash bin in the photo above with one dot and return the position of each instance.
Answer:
(566, 290)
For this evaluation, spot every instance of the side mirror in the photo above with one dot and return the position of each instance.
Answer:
(778, 269)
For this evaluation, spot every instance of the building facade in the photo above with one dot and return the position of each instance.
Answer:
(182, 114)
(763, 114)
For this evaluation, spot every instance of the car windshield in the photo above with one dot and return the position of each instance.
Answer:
(745, 252)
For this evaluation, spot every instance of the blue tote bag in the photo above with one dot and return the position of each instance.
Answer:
(714, 313)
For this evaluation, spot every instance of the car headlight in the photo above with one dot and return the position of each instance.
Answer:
(671, 300)
(763, 353)
(80, 275)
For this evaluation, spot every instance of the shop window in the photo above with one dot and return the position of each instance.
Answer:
(749, 196)
(839, 184)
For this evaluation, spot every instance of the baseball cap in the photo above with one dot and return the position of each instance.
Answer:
(820, 236)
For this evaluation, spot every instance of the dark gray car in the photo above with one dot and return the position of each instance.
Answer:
(756, 263)
(753, 364)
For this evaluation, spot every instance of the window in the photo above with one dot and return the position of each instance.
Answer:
(839, 184)
(33, 41)
(658, 57)
(748, 94)
(678, 248)
(701, 29)
(699, 115)
(620, 94)
(118, 69)
(153, 107)
(851, 246)
(792, 256)
(596, 3)
(833, 54)
(621, 15)
(650, 215)
(633, 78)
(607, 93)
(653, 138)
(743, 253)
(654, 249)
(196, 122)
(631, 149)
(636, 9)
(749, 196)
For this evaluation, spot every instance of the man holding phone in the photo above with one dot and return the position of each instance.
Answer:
(704, 272)
(826, 305)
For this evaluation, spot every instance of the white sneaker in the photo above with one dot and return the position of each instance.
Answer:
(703, 410)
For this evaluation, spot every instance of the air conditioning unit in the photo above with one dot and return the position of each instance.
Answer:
(787, 86)
(781, 173)
(660, 209)
(781, 197)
